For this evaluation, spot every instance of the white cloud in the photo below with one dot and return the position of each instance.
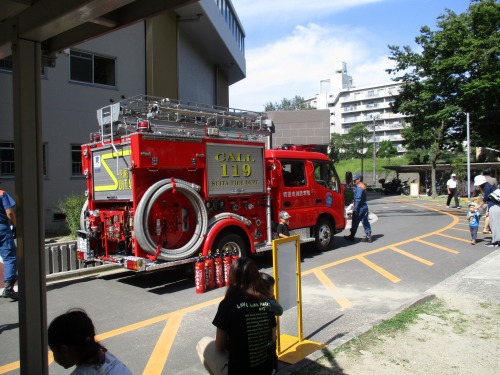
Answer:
(276, 11)
(294, 64)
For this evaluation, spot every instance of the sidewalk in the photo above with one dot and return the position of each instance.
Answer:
(459, 334)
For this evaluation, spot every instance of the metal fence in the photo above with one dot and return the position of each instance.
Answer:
(61, 261)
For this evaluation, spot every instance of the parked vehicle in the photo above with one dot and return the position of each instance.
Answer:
(392, 187)
(168, 181)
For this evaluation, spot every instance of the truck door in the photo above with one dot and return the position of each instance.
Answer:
(297, 198)
(327, 188)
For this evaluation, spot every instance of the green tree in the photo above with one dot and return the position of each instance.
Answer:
(458, 71)
(337, 147)
(387, 150)
(295, 104)
(356, 142)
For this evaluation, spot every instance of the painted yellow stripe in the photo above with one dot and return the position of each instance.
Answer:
(412, 256)
(439, 247)
(379, 269)
(156, 319)
(453, 237)
(462, 230)
(10, 367)
(158, 358)
(341, 300)
(104, 157)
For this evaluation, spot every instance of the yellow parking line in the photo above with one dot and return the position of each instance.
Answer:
(453, 237)
(463, 230)
(156, 319)
(162, 348)
(341, 300)
(10, 367)
(409, 255)
(379, 269)
(439, 246)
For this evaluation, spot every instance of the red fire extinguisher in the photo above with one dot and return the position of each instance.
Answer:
(199, 275)
(226, 261)
(219, 273)
(209, 272)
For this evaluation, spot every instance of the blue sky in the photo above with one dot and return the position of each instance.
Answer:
(293, 44)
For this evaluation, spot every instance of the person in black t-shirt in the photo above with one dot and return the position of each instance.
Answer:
(246, 327)
(282, 228)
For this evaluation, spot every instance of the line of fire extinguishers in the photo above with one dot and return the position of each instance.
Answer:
(212, 271)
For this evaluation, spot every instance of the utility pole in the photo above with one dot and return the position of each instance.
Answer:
(374, 152)
(362, 151)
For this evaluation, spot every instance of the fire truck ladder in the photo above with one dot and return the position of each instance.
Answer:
(169, 117)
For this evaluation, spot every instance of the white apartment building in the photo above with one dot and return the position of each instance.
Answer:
(368, 105)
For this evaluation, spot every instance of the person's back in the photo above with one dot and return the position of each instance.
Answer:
(248, 323)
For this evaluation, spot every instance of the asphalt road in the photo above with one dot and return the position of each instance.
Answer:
(152, 322)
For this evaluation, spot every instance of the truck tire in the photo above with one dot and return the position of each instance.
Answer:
(323, 233)
(231, 242)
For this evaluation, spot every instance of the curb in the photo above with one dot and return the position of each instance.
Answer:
(61, 276)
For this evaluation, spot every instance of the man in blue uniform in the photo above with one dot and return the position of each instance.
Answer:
(7, 244)
(360, 210)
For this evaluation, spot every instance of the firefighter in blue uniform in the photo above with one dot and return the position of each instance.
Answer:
(7, 244)
(360, 210)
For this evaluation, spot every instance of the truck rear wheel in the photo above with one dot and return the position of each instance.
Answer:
(231, 242)
(323, 233)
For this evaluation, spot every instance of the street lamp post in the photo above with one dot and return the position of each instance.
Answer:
(374, 152)
(362, 151)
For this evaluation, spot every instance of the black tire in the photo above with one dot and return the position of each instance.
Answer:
(323, 233)
(231, 242)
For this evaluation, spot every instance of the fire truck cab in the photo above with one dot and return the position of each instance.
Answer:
(167, 181)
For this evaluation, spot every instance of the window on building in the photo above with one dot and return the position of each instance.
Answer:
(7, 160)
(7, 163)
(76, 161)
(92, 68)
(6, 64)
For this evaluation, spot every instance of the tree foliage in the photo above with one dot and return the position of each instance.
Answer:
(387, 150)
(457, 72)
(352, 144)
(295, 104)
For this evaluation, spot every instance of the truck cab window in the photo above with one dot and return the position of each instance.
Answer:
(293, 173)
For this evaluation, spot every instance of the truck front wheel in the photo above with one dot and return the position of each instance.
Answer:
(323, 233)
(231, 242)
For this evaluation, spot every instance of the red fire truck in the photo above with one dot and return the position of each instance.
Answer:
(168, 180)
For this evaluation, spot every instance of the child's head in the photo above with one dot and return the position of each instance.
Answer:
(284, 216)
(269, 280)
(71, 338)
(472, 207)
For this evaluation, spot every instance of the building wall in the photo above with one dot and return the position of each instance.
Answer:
(301, 127)
(196, 74)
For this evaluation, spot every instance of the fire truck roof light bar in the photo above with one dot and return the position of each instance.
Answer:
(167, 114)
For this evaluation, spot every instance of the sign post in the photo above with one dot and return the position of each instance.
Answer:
(286, 266)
